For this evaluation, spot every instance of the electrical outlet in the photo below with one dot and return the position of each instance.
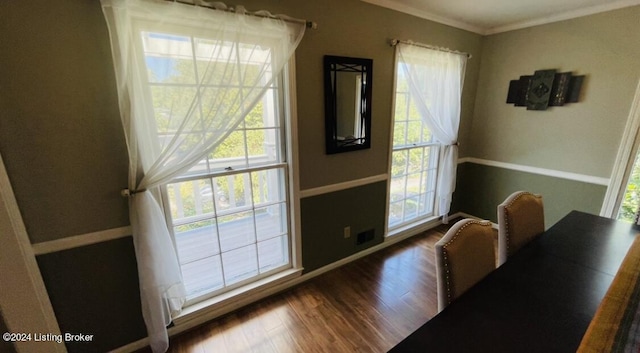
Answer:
(347, 232)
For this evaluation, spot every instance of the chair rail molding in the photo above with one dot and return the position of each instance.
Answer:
(540, 171)
(342, 186)
(76, 241)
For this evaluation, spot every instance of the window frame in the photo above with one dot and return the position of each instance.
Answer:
(285, 111)
(396, 229)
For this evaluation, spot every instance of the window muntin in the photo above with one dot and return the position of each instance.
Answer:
(229, 212)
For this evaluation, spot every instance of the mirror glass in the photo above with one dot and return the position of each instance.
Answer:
(347, 89)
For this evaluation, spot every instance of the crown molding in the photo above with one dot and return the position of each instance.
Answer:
(562, 16)
(426, 15)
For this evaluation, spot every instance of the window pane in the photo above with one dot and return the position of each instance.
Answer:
(264, 115)
(415, 160)
(190, 198)
(426, 202)
(245, 69)
(236, 230)
(273, 253)
(427, 136)
(168, 58)
(196, 241)
(230, 153)
(202, 276)
(170, 104)
(267, 186)
(402, 102)
(270, 221)
(414, 132)
(411, 208)
(414, 182)
(400, 133)
(232, 191)
(399, 163)
(214, 100)
(395, 213)
(256, 147)
(240, 264)
(398, 187)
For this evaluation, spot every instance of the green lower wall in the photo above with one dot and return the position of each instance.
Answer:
(480, 189)
(324, 217)
(94, 290)
(108, 306)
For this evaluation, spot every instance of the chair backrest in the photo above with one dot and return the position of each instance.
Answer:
(464, 256)
(520, 219)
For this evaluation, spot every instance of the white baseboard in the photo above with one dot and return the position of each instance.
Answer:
(261, 294)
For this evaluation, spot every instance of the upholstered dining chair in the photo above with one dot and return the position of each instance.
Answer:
(464, 256)
(520, 219)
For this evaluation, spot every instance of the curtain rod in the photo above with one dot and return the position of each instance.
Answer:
(394, 42)
(211, 6)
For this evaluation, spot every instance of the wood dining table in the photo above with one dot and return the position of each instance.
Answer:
(541, 300)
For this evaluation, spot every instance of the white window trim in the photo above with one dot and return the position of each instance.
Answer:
(20, 270)
(624, 160)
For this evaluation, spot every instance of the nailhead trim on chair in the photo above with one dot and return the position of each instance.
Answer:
(506, 219)
(445, 257)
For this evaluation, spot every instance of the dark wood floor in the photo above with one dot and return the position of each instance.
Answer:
(368, 305)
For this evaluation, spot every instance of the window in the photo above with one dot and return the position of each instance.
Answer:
(425, 149)
(414, 162)
(629, 206)
(201, 98)
(228, 212)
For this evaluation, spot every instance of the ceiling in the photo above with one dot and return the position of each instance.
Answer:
(495, 16)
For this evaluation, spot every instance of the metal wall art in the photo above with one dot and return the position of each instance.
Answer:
(545, 88)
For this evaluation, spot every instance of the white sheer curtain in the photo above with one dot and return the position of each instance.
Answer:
(186, 76)
(435, 83)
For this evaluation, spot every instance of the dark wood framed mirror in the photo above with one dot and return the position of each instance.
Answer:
(347, 96)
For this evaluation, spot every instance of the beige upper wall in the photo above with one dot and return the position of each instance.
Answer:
(63, 146)
(60, 131)
(357, 29)
(580, 137)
